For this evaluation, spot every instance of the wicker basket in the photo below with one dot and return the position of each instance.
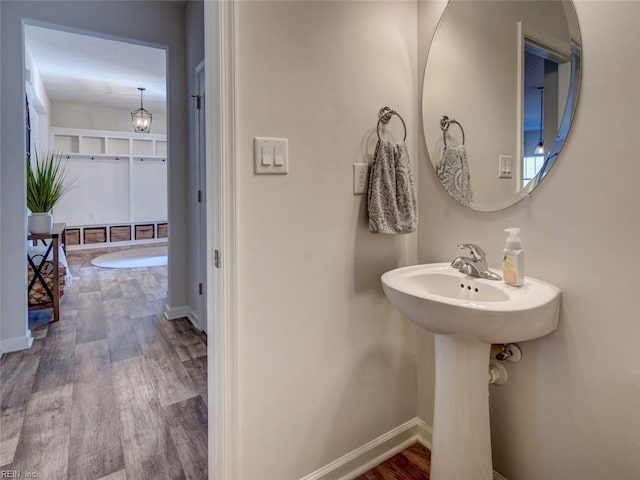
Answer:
(37, 294)
(144, 232)
(95, 235)
(120, 233)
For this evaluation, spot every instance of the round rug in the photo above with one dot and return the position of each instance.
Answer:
(133, 258)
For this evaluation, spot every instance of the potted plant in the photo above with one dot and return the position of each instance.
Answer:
(47, 182)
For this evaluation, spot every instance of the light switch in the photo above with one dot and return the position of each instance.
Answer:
(279, 155)
(271, 156)
(267, 155)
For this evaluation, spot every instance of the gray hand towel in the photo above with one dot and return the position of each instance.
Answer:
(391, 197)
(453, 172)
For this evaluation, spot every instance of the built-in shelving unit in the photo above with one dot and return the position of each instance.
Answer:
(121, 185)
(104, 144)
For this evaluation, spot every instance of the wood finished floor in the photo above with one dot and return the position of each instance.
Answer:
(413, 463)
(111, 391)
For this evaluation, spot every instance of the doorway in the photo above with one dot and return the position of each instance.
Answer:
(544, 95)
(149, 23)
(128, 345)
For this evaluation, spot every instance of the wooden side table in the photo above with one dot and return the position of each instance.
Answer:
(52, 240)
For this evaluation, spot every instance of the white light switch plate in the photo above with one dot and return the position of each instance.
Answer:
(271, 156)
(504, 166)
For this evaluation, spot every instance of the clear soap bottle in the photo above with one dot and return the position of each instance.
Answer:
(513, 259)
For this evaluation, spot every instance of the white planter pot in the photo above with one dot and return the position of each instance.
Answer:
(40, 223)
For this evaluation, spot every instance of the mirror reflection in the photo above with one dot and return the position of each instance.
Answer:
(500, 89)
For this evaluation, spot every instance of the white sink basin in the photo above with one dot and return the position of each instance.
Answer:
(442, 300)
(467, 315)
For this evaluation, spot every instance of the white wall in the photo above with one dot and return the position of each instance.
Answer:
(77, 115)
(325, 363)
(570, 408)
(39, 106)
(158, 23)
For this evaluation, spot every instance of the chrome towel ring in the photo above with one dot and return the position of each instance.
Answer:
(445, 123)
(384, 115)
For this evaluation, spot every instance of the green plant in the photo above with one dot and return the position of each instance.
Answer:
(47, 182)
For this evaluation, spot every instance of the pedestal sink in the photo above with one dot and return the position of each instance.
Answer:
(467, 315)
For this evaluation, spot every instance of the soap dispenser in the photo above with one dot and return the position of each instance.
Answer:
(513, 259)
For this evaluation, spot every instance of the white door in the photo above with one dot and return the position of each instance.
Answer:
(201, 209)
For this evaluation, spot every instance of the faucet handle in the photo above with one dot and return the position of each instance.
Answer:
(475, 252)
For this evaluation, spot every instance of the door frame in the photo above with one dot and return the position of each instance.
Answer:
(220, 108)
(201, 213)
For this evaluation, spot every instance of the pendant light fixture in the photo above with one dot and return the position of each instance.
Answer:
(141, 118)
(540, 146)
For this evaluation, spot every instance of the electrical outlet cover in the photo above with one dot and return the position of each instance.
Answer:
(360, 178)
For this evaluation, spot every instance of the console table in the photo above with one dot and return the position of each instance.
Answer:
(52, 240)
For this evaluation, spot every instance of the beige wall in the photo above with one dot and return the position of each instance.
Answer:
(326, 364)
(570, 408)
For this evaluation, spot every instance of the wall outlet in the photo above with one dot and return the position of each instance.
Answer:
(360, 178)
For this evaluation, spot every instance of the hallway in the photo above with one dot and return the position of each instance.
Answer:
(113, 390)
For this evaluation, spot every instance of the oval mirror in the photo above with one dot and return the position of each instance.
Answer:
(500, 88)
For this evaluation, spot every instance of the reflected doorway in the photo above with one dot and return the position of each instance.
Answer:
(545, 92)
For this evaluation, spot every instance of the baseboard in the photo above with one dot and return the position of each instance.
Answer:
(375, 452)
(193, 318)
(182, 312)
(370, 454)
(425, 433)
(172, 313)
(16, 344)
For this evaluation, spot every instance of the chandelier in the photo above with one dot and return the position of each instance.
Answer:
(141, 118)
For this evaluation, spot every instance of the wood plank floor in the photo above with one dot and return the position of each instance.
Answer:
(111, 391)
(413, 463)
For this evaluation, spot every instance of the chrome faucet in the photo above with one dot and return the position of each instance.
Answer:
(475, 264)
